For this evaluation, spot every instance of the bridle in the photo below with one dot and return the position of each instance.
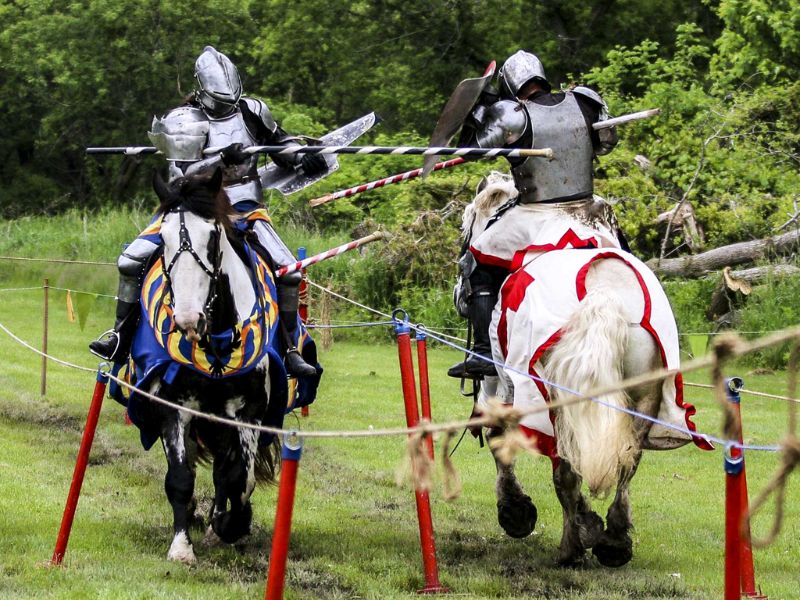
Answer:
(185, 245)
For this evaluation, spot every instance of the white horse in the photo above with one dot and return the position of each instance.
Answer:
(567, 322)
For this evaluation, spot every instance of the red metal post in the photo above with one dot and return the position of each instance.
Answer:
(734, 463)
(303, 307)
(733, 386)
(424, 384)
(45, 320)
(290, 454)
(80, 468)
(426, 538)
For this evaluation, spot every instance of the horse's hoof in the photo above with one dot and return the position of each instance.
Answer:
(614, 552)
(590, 528)
(211, 539)
(517, 519)
(230, 526)
(572, 560)
(181, 549)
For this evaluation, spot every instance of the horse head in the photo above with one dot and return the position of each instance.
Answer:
(494, 190)
(196, 215)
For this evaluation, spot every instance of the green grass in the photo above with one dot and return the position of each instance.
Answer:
(354, 532)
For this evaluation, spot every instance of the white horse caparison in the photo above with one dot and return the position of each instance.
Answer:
(599, 346)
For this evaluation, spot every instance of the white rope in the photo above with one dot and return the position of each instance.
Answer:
(745, 391)
(375, 311)
(57, 260)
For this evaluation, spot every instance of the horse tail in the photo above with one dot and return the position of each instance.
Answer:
(596, 439)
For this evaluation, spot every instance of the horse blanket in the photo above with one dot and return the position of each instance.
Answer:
(535, 305)
(515, 234)
(160, 350)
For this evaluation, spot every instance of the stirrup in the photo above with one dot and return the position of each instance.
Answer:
(302, 368)
(106, 335)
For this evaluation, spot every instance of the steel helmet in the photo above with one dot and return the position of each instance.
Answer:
(520, 68)
(218, 85)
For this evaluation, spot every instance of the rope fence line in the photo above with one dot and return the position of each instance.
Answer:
(22, 289)
(372, 310)
(505, 416)
(60, 289)
(58, 260)
(738, 348)
(501, 415)
(745, 391)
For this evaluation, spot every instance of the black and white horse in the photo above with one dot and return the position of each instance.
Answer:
(207, 290)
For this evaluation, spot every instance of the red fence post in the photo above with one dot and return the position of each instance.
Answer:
(80, 468)
(734, 463)
(290, 457)
(303, 306)
(733, 385)
(426, 538)
(424, 384)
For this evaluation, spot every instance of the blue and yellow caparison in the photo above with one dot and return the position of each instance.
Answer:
(159, 349)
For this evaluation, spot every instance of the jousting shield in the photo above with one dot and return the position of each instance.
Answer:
(289, 181)
(458, 107)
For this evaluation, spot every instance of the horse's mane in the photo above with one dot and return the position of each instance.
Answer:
(493, 191)
(200, 195)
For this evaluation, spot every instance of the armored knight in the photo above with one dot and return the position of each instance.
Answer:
(555, 207)
(217, 116)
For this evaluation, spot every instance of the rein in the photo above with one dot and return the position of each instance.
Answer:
(185, 245)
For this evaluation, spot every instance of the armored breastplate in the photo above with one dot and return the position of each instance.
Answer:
(569, 175)
(241, 181)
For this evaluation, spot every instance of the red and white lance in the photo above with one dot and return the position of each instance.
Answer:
(365, 187)
(400, 177)
(302, 264)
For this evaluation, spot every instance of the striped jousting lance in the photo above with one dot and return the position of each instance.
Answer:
(395, 150)
(302, 264)
(365, 187)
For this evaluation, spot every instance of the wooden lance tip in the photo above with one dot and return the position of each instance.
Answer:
(320, 200)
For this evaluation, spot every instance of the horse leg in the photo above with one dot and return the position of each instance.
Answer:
(615, 547)
(179, 485)
(516, 512)
(582, 526)
(234, 481)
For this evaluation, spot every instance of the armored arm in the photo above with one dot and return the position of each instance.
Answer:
(259, 118)
(595, 109)
(498, 125)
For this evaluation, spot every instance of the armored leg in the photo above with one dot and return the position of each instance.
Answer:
(115, 344)
(484, 286)
(481, 305)
(288, 298)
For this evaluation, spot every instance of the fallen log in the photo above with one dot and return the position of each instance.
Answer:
(726, 256)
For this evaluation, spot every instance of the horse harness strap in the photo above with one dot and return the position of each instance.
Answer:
(185, 245)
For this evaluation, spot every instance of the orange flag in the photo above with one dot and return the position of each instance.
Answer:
(70, 308)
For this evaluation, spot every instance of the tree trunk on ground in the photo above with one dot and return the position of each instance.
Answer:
(726, 256)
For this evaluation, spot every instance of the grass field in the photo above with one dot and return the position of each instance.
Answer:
(355, 532)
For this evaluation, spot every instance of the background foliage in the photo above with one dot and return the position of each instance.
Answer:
(724, 72)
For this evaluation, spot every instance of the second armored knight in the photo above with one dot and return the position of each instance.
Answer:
(555, 207)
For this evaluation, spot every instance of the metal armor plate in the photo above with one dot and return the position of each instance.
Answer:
(505, 123)
(288, 182)
(569, 175)
(459, 105)
(180, 134)
(240, 181)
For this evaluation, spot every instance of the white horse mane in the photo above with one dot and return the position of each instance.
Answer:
(494, 190)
